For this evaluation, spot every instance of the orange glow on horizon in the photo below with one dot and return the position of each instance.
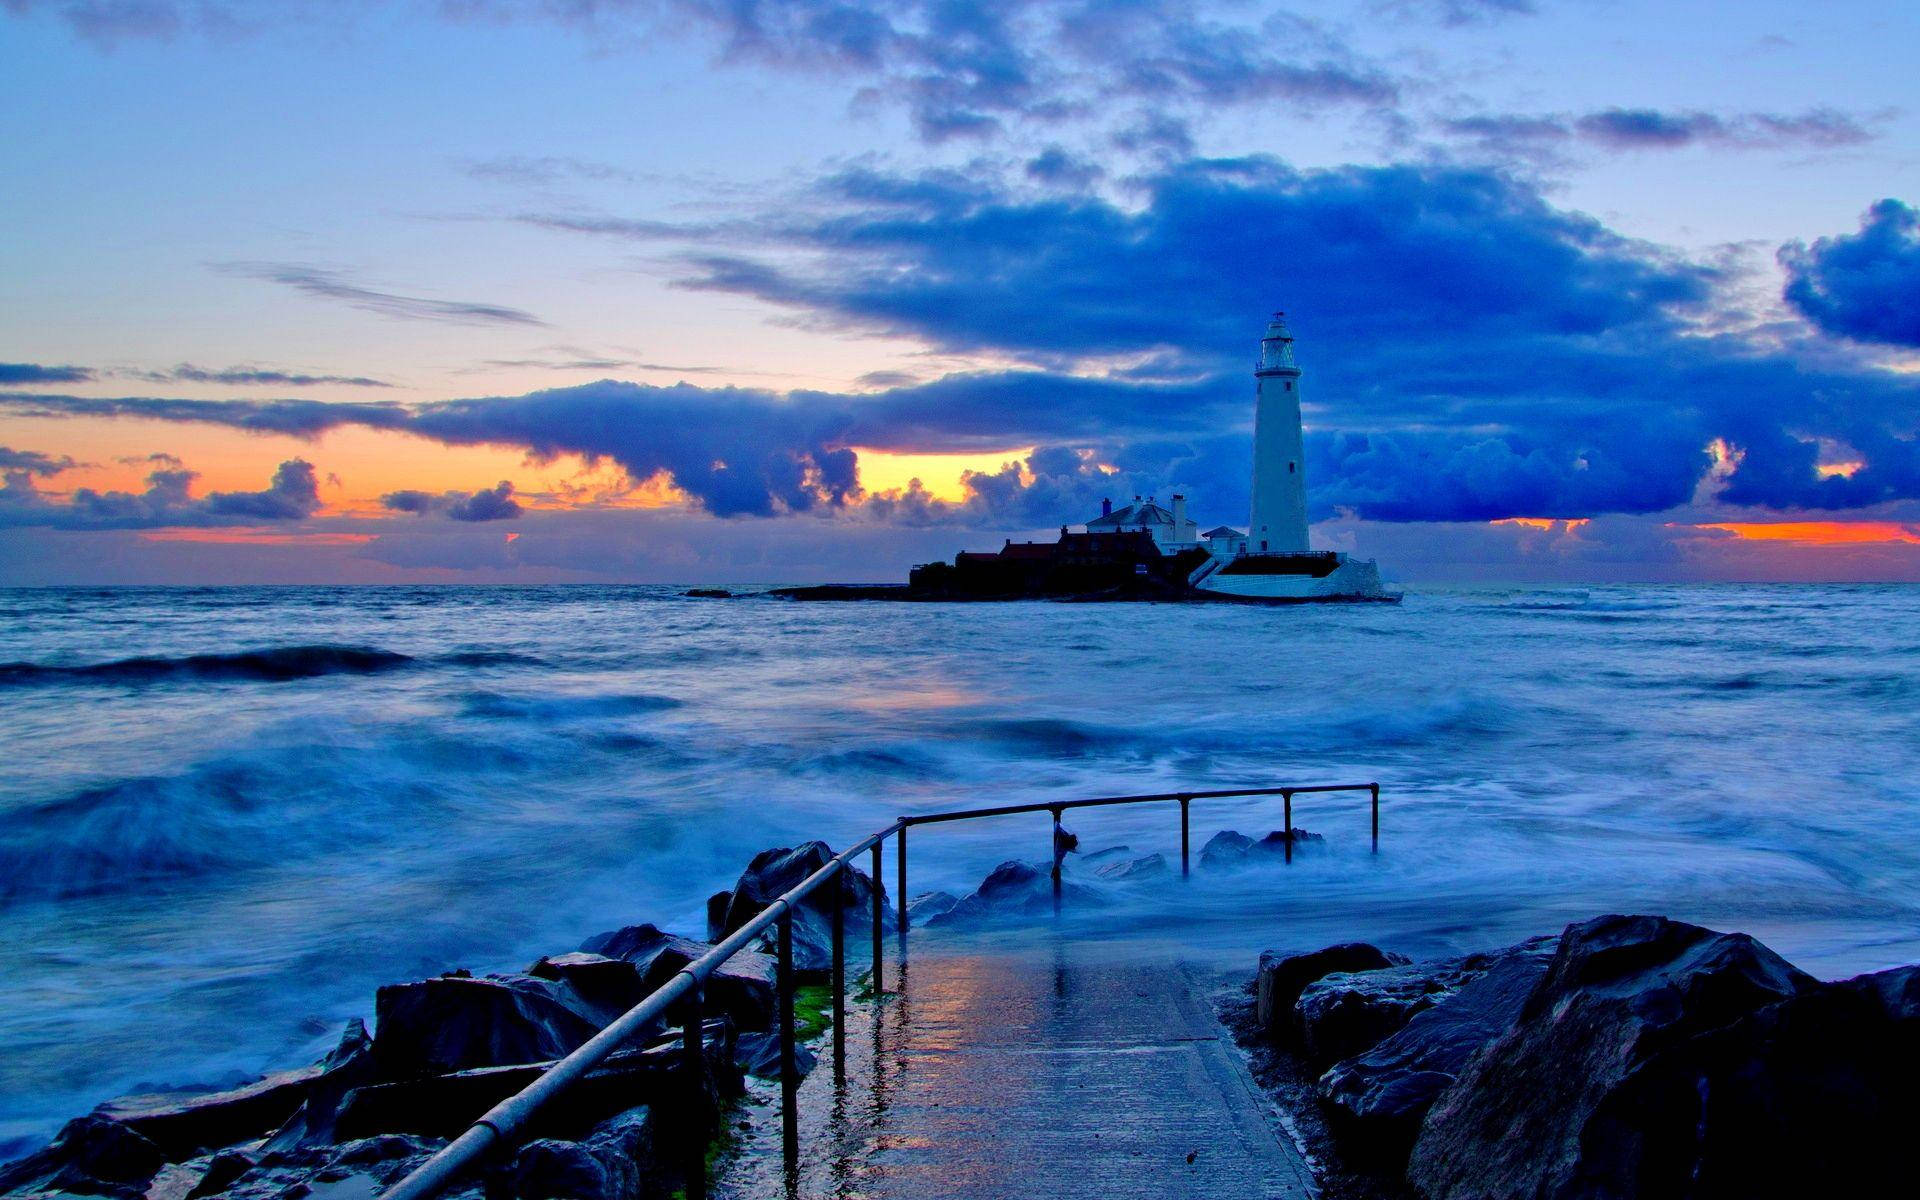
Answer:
(1543, 523)
(1819, 533)
(253, 536)
(939, 474)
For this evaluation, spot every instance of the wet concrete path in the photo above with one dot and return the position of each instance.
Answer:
(1050, 1071)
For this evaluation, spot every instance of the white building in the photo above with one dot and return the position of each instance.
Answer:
(1171, 529)
(1278, 523)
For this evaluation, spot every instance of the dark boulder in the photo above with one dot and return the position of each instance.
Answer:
(1284, 976)
(442, 1106)
(1344, 1014)
(774, 872)
(607, 986)
(358, 1169)
(742, 987)
(1582, 1096)
(717, 905)
(618, 1161)
(454, 1023)
(91, 1155)
(1379, 1097)
(1013, 890)
(1103, 856)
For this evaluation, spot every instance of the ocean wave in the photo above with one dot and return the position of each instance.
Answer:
(276, 664)
(499, 706)
(489, 658)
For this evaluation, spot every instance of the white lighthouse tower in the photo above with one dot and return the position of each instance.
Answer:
(1274, 562)
(1278, 523)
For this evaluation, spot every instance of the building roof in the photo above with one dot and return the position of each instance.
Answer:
(1131, 515)
(1222, 531)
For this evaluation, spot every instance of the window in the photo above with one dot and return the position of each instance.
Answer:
(1289, 385)
(1289, 468)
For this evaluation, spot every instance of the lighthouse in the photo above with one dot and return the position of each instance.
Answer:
(1278, 523)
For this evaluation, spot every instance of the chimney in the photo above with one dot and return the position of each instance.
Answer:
(1106, 507)
(1179, 512)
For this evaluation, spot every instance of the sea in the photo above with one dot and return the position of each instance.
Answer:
(227, 815)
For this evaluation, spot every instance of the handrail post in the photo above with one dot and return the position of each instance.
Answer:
(1184, 801)
(693, 1049)
(878, 915)
(789, 1067)
(900, 876)
(1287, 799)
(1376, 818)
(1057, 856)
(840, 977)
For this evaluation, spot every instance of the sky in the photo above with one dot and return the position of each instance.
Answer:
(734, 291)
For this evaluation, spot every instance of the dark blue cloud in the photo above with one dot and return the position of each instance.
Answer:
(253, 377)
(331, 285)
(293, 495)
(1865, 285)
(1644, 128)
(488, 504)
(18, 374)
(33, 462)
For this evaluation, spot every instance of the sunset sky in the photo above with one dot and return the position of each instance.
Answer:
(741, 291)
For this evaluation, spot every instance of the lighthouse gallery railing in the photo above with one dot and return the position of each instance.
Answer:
(505, 1120)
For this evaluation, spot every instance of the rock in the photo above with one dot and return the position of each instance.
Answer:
(758, 1055)
(434, 1026)
(1106, 855)
(1344, 1014)
(221, 1172)
(360, 1168)
(1380, 1096)
(188, 1124)
(1014, 889)
(618, 1161)
(773, 872)
(717, 914)
(348, 1066)
(92, 1155)
(742, 988)
(608, 986)
(1284, 976)
(928, 905)
(1150, 866)
(1230, 850)
(443, 1106)
(1582, 1095)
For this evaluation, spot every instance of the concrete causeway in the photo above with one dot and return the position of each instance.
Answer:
(1057, 1069)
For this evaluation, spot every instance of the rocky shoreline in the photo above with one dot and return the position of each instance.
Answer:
(1627, 1056)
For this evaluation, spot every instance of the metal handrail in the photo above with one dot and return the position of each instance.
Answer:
(501, 1122)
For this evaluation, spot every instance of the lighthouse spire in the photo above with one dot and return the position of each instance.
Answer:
(1278, 521)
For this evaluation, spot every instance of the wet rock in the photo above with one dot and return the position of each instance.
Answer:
(187, 1124)
(928, 905)
(742, 987)
(360, 1168)
(1128, 870)
(1283, 977)
(608, 986)
(1344, 1014)
(451, 1023)
(1380, 1096)
(349, 1065)
(618, 1161)
(92, 1155)
(1015, 889)
(758, 1055)
(1583, 1095)
(442, 1106)
(773, 872)
(717, 914)
(1230, 850)
(1099, 858)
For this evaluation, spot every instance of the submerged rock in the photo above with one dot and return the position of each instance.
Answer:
(758, 1055)
(455, 1023)
(928, 905)
(1014, 889)
(1230, 850)
(1615, 1076)
(1283, 977)
(1129, 870)
(1382, 1093)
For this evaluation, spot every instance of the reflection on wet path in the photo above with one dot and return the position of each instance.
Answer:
(1046, 1068)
